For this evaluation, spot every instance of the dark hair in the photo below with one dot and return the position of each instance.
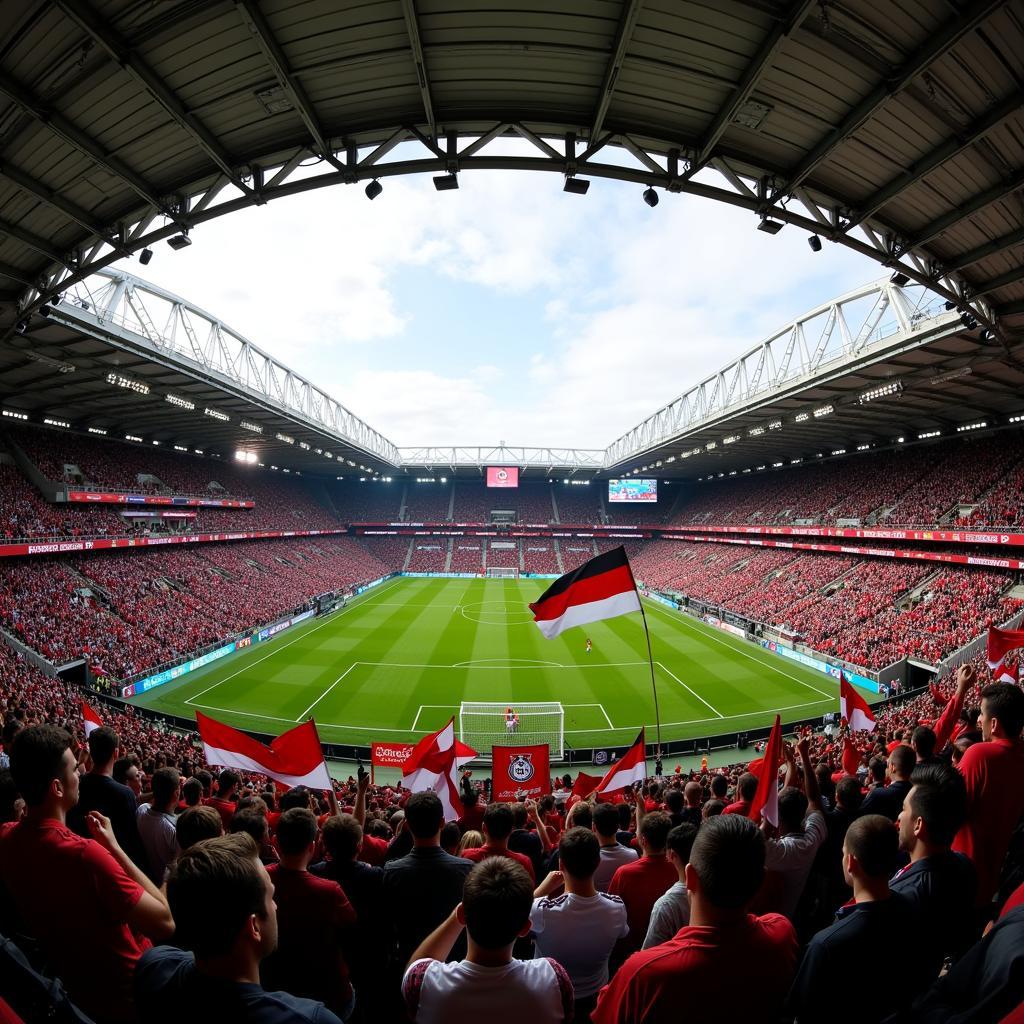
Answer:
(8, 795)
(342, 835)
(296, 831)
(728, 857)
(674, 801)
(197, 823)
(450, 835)
(297, 796)
(213, 888)
(746, 787)
(103, 744)
(848, 792)
(583, 814)
(719, 786)
(605, 819)
(120, 770)
(939, 796)
(579, 852)
(923, 740)
(712, 808)
(227, 780)
(37, 758)
(654, 828)
(498, 821)
(903, 759)
(251, 822)
(470, 798)
(680, 840)
(876, 768)
(192, 792)
(875, 844)
(625, 816)
(519, 815)
(424, 814)
(496, 901)
(1005, 702)
(792, 807)
(206, 780)
(164, 785)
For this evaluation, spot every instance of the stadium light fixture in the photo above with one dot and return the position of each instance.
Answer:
(900, 440)
(216, 414)
(145, 256)
(824, 410)
(304, 446)
(199, 451)
(759, 468)
(929, 433)
(254, 427)
(577, 186)
(980, 425)
(127, 382)
(775, 425)
(863, 447)
(11, 414)
(156, 442)
(900, 279)
(949, 305)
(968, 319)
(444, 479)
(755, 431)
(374, 189)
(892, 387)
(566, 480)
(181, 403)
(181, 448)
(98, 430)
(838, 451)
(801, 417)
(650, 197)
(179, 242)
(1013, 419)
(285, 438)
(133, 437)
(446, 182)
(731, 439)
(986, 336)
(56, 423)
(710, 446)
(796, 462)
(769, 226)
(815, 243)
(776, 465)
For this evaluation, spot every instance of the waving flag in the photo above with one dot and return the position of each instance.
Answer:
(851, 757)
(602, 588)
(90, 719)
(1000, 643)
(433, 766)
(632, 767)
(854, 708)
(766, 800)
(293, 759)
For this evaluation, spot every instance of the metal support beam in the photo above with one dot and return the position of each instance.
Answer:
(422, 78)
(611, 74)
(16, 274)
(41, 245)
(997, 245)
(940, 44)
(762, 61)
(993, 117)
(964, 210)
(82, 14)
(1000, 281)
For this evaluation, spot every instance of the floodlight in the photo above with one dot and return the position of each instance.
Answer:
(650, 197)
(899, 279)
(181, 241)
(145, 256)
(444, 182)
(949, 304)
(769, 226)
(577, 186)
(986, 336)
(374, 189)
(815, 243)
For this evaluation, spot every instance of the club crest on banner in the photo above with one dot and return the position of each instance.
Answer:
(520, 768)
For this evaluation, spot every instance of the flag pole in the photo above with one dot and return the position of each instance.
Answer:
(650, 661)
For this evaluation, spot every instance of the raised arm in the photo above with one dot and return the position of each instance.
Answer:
(946, 722)
(359, 811)
(811, 787)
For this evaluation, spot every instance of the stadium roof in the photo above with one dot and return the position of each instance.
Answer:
(892, 126)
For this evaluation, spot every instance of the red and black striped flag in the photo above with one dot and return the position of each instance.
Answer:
(602, 588)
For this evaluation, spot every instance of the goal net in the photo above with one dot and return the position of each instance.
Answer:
(501, 572)
(486, 725)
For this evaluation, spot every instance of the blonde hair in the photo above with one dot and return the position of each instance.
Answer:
(470, 841)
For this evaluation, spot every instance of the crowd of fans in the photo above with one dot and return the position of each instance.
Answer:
(157, 886)
(539, 556)
(429, 554)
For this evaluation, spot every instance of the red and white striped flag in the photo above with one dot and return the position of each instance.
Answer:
(630, 768)
(295, 758)
(90, 719)
(854, 708)
(851, 757)
(602, 588)
(433, 766)
(1000, 643)
(766, 800)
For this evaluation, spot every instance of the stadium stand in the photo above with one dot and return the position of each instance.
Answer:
(369, 502)
(578, 505)
(427, 503)
(429, 554)
(467, 555)
(503, 557)
(539, 555)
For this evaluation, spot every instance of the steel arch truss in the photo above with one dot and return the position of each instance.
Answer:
(839, 332)
(168, 327)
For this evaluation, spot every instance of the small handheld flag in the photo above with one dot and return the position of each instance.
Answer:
(766, 800)
(632, 767)
(1000, 643)
(433, 766)
(90, 719)
(854, 708)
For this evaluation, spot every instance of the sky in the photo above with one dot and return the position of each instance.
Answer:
(508, 310)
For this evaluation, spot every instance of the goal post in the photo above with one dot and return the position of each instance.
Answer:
(500, 572)
(483, 725)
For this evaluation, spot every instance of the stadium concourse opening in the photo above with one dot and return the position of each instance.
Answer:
(224, 594)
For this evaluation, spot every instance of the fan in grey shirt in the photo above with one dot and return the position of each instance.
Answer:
(613, 853)
(672, 911)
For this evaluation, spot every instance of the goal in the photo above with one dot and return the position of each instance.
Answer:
(501, 572)
(482, 726)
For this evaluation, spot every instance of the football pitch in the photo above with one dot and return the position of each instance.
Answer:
(398, 661)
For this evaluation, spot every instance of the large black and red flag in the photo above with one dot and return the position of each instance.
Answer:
(602, 588)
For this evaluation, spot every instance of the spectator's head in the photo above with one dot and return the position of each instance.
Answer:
(471, 840)
(103, 744)
(206, 780)
(196, 824)
(424, 814)
(923, 739)
(496, 904)
(792, 809)
(726, 864)
(222, 901)
(470, 799)
(296, 833)
(712, 809)
(680, 845)
(450, 836)
(1002, 711)
(579, 853)
(581, 815)
(848, 794)
(870, 850)
(520, 817)
(498, 822)
(297, 796)
(625, 817)
(746, 787)
(692, 794)
(166, 788)
(876, 770)
(45, 770)
(126, 771)
(674, 801)
(719, 787)
(192, 792)
(933, 810)
(252, 803)
(654, 830)
(227, 783)
(606, 820)
(901, 762)
(251, 822)
(343, 838)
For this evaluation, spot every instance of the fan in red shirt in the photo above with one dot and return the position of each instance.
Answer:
(223, 803)
(697, 969)
(993, 771)
(498, 823)
(746, 790)
(642, 882)
(312, 915)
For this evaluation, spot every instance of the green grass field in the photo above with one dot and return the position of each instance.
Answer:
(397, 662)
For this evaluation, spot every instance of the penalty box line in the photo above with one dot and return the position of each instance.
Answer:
(455, 707)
